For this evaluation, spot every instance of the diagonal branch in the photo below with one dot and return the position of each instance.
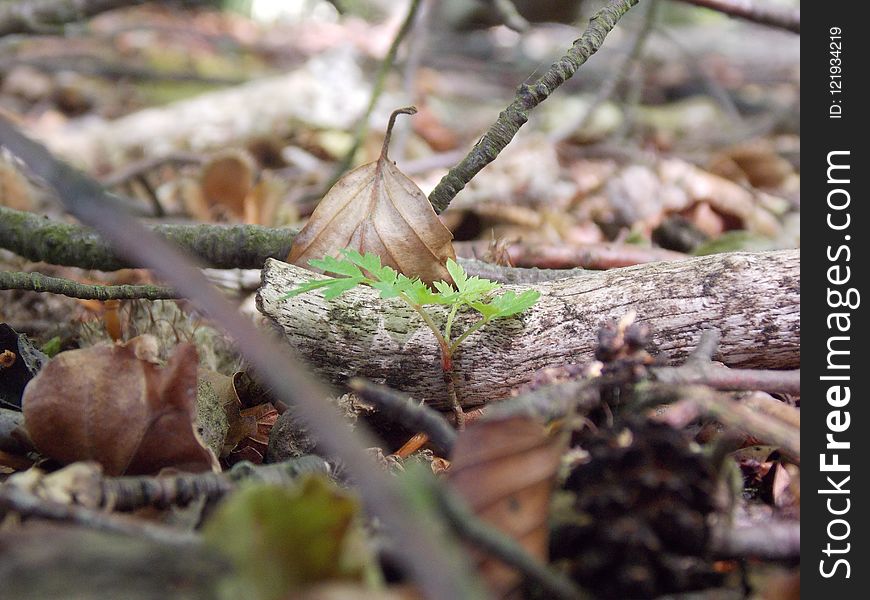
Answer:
(528, 96)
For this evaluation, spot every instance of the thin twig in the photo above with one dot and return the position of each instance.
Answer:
(621, 72)
(495, 543)
(509, 14)
(404, 410)
(417, 41)
(137, 169)
(37, 282)
(699, 369)
(377, 89)
(435, 574)
(783, 18)
(727, 411)
(26, 504)
(605, 255)
(721, 377)
(528, 96)
(130, 493)
(706, 348)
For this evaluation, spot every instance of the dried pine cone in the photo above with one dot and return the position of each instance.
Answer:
(637, 527)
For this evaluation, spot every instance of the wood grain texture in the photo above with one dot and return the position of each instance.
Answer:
(752, 298)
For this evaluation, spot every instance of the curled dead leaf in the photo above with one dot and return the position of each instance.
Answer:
(506, 469)
(226, 180)
(112, 404)
(376, 208)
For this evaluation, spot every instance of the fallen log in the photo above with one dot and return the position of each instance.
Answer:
(752, 298)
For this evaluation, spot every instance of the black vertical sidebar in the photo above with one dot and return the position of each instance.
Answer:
(835, 363)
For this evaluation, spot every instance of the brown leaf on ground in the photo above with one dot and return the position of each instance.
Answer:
(755, 163)
(226, 180)
(376, 208)
(505, 470)
(112, 403)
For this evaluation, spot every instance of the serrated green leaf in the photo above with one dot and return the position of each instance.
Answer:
(510, 304)
(282, 540)
(371, 263)
(457, 273)
(330, 264)
(476, 289)
(308, 286)
(487, 310)
(340, 286)
(507, 305)
(416, 291)
(387, 289)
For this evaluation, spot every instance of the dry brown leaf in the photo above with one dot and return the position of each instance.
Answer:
(756, 163)
(505, 470)
(375, 208)
(113, 404)
(226, 180)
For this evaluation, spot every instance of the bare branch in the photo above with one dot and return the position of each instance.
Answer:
(528, 96)
(37, 282)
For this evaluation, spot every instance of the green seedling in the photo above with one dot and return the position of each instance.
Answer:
(353, 269)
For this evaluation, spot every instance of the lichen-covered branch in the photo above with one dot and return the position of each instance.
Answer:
(37, 282)
(528, 97)
(774, 16)
(752, 298)
(220, 246)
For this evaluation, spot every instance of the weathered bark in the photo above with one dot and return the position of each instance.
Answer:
(752, 298)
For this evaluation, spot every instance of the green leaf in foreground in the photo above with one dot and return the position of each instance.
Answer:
(507, 305)
(281, 540)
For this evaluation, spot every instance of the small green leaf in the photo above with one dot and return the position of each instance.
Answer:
(330, 264)
(282, 540)
(476, 288)
(487, 310)
(507, 305)
(446, 294)
(387, 289)
(457, 273)
(371, 263)
(308, 286)
(340, 286)
(417, 291)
